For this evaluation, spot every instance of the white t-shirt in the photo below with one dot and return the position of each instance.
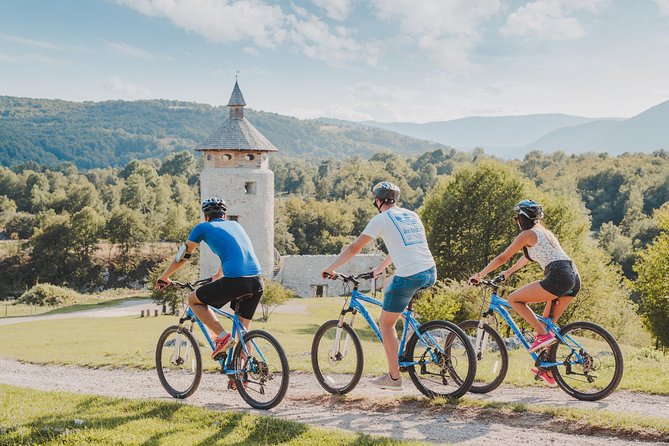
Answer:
(404, 236)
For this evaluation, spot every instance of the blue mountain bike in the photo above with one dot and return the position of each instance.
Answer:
(586, 361)
(257, 367)
(437, 355)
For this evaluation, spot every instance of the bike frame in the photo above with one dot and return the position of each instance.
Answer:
(355, 305)
(499, 305)
(237, 330)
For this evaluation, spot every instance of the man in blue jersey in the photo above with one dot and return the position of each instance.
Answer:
(237, 280)
(404, 236)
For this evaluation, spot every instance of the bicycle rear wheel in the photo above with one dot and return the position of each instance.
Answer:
(593, 361)
(261, 376)
(337, 359)
(178, 362)
(492, 359)
(446, 363)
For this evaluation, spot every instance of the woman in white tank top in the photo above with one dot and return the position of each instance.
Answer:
(561, 281)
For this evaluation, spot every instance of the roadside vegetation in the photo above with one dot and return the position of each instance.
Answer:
(58, 418)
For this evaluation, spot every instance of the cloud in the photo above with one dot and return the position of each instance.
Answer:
(264, 25)
(549, 19)
(446, 30)
(42, 44)
(130, 51)
(220, 21)
(126, 89)
(663, 5)
(335, 9)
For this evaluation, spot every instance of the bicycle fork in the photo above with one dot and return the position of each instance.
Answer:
(338, 354)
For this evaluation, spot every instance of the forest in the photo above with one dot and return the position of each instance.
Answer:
(89, 228)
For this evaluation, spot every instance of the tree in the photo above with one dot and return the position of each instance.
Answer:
(653, 270)
(179, 164)
(86, 227)
(469, 217)
(126, 229)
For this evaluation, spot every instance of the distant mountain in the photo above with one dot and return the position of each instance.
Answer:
(501, 135)
(645, 132)
(111, 133)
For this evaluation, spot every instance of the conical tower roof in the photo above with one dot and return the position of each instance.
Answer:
(237, 98)
(237, 133)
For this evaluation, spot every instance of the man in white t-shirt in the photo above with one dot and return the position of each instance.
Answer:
(404, 235)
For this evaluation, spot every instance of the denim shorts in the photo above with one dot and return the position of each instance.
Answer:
(402, 289)
(561, 279)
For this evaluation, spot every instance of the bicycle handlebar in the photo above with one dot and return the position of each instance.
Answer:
(191, 285)
(355, 279)
(492, 283)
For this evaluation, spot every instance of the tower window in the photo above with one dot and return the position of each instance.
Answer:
(232, 217)
(226, 157)
(250, 187)
(250, 157)
(209, 157)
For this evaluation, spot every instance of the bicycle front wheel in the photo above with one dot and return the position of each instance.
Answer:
(592, 361)
(178, 362)
(261, 376)
(445, 362)
(336, 357)
(492, 359)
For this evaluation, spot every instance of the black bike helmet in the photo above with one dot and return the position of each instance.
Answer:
(214, 207)
(386, 192)
(530, 209)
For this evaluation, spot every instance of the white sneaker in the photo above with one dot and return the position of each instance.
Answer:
(385, 382)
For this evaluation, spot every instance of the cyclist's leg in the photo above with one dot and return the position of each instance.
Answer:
(204, 313)
(561, 304)
(391, 344)
(532, 293)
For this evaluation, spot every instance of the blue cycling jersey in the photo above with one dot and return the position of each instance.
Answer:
(228, 240)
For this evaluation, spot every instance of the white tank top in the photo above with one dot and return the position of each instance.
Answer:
(546, 250)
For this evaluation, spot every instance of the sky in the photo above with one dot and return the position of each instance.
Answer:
(383, 60)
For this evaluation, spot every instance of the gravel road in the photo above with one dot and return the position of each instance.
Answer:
(365, 410)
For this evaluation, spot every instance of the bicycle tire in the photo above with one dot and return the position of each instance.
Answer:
(504, 357)
(320, 376)
(197, 357)
(241, 377)
(559, 373)
(455, 332)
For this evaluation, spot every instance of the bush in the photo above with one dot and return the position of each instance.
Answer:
(451, 301)
(44, 294)
(274, 295)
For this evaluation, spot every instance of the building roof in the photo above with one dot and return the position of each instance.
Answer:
(237, 133)
(236, 98)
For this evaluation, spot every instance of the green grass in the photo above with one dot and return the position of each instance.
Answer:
(107, 298)
(131, 342)
(58, 418)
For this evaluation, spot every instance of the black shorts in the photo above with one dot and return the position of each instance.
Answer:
(561, 279)
(243, 292)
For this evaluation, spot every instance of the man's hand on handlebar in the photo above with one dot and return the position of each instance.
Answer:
(163, 282)
(328, 274)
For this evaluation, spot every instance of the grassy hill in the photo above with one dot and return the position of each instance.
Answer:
(111, 133)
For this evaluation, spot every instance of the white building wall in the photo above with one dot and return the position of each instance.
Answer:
(302, 274)
(254, 211)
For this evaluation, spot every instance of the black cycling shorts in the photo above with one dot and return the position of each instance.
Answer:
(561, 279)
(243, 292)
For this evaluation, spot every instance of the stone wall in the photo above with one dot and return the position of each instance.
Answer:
(302, 274)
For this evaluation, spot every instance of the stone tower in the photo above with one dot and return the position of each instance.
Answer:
(236, 169)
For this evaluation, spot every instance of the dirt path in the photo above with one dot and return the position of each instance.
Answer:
(364, 410)
(130, 307)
